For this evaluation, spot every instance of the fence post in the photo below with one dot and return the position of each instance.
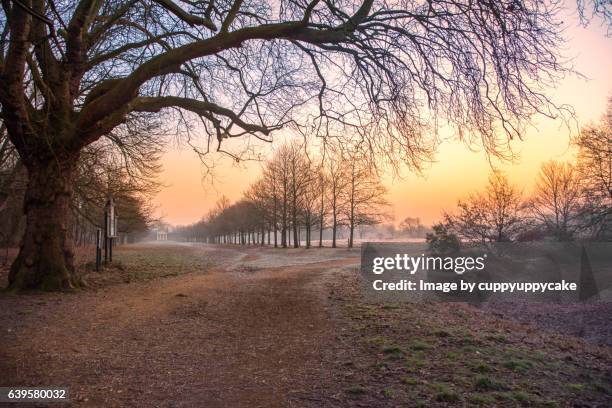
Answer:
(98, 248)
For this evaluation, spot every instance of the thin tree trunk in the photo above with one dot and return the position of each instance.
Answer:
(321, 224)
(334, 229)
(296, 241)
(284, 227)
(334, 226)
(352, 227)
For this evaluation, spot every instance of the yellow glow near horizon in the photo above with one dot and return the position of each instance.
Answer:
(457, 170)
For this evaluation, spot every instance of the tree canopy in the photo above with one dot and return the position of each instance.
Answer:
(74, 71)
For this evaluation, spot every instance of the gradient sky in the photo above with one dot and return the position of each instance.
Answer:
(457, 170)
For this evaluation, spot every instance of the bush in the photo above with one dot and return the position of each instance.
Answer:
(443, 240)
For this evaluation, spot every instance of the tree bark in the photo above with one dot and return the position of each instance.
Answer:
(334, 230)
(284, 226)
(263, 235)
(352, 227)
(321, 221)
(46, 255)
(296, 242)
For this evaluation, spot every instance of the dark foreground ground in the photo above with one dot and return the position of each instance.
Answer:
(176, 325)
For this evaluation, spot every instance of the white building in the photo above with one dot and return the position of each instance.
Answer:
(161, 232)
(162, 235)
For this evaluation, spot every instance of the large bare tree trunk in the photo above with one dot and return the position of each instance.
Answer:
(46, 256)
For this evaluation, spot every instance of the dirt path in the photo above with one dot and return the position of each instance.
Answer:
(239, 338)
(209, 326)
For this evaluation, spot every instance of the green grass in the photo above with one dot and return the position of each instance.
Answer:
(419, 345)
(469, 340)
(444, 394)
(521, 397)
(518, 365)
(452, 355)
(481, 399)
(498, 338)
(375, 340)
(449, 365)
(576, 387)
(482, 368)
(415, 361)
(485, 383)
(389, 392)
(393, 351)
(410, 380)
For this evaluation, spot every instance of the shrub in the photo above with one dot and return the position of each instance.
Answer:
(443, 240)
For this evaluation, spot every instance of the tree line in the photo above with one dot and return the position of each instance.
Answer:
(296, 199)
(128, 172)
(570, 200)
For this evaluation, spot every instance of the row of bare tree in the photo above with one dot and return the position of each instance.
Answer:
(297, 195)
(569, 201)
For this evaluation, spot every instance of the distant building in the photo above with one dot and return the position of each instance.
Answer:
(162, 235)
(161, 232)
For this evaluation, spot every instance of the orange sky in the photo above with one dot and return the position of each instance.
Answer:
(457, 170)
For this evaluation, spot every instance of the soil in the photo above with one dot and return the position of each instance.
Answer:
(175, 325)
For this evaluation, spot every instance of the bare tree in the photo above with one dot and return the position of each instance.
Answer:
(495, 215)
(556, 199)
(313, 203)
(364, 195)
(322, 186)
(301, 177)
(336, 171)
(602, 9)
(126, 169)
(73, 71)
(594, 169)
(270, 184)
(412, 227)
(280, 165)
(259, 196)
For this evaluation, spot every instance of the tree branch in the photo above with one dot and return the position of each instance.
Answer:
(189, 18)
(170, 61)
(155, 104)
